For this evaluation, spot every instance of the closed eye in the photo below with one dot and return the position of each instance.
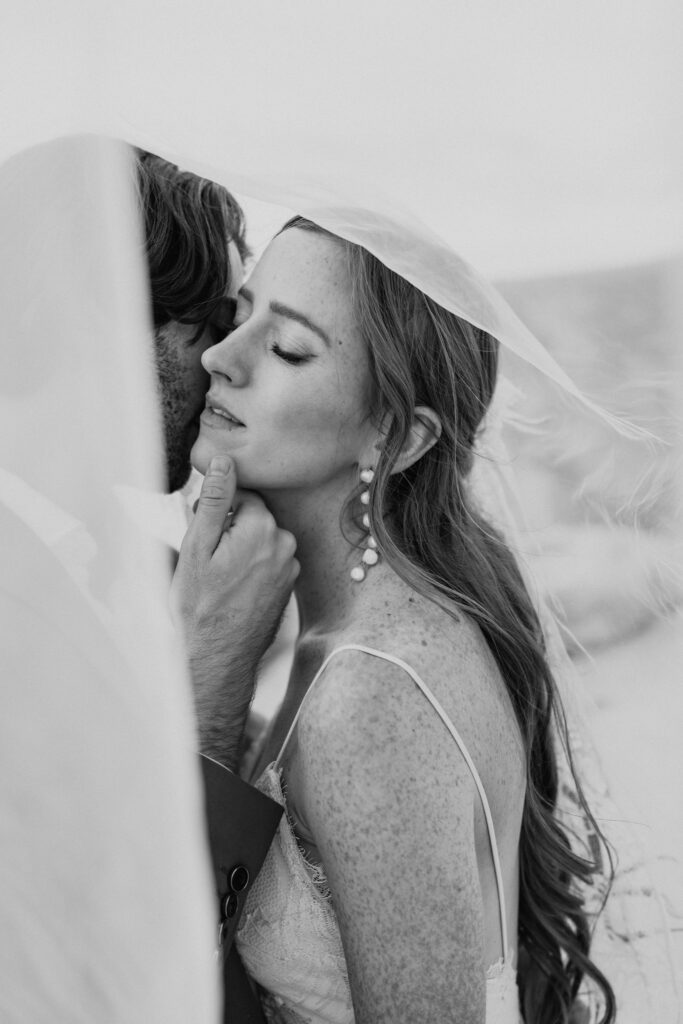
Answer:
(219, 331)
(222, 321)
(219, 324)
(289, 357)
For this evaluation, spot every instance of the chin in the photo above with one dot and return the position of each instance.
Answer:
(201, 465)
(201, 456)
(203, 451)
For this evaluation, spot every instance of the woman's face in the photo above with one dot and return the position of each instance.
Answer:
(290, 386)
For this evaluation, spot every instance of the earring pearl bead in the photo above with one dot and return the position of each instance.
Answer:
(370, 556)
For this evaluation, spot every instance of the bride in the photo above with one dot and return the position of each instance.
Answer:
(421, 871)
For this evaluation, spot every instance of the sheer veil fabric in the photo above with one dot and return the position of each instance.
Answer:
(636, 927)
(106, 888)
(433, 137)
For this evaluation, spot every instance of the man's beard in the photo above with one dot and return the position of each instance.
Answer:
(178, 467)
(179, 434)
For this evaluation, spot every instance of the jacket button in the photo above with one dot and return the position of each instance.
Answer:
(239, 878)
(230, 904)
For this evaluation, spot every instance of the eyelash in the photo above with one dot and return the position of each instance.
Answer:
(220, 331)
(288, 357)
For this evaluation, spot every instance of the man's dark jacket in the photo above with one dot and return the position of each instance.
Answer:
(241, 824)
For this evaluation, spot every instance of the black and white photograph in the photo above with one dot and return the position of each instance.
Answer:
(341, 497)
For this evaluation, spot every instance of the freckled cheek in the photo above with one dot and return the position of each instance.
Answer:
(323, 419)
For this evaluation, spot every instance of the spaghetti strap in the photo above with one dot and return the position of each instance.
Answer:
(461, 746)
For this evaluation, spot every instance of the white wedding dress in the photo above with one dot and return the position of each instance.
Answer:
(289, 937)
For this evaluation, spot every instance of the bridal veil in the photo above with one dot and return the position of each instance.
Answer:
(440, 136)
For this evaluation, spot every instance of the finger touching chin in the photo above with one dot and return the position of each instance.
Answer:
(202, 453)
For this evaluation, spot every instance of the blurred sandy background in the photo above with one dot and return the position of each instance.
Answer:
(606, 511)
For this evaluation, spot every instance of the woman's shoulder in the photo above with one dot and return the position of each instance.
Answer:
(371, 703)
(403, 634)
(441, 645)
(369, 747)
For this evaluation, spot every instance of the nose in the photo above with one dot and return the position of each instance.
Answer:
(229, 358)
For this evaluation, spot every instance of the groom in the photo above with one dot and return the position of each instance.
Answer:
(90, 920)
(231, 585)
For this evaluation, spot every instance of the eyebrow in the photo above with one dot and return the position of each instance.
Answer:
(280, 309)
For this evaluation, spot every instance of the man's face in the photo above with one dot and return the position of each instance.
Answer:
(182, 380)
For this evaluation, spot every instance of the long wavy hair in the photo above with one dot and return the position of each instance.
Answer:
(428, 530)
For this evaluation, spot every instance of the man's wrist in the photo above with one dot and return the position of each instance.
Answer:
(223, 695)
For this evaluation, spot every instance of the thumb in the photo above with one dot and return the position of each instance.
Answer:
(215, 499)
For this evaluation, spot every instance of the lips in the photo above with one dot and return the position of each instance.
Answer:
(220, 410)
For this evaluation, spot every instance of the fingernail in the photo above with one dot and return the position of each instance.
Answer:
(220, 464)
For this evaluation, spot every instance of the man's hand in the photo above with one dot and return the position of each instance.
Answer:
(233, 578)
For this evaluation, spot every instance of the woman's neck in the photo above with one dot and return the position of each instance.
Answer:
(325, 592)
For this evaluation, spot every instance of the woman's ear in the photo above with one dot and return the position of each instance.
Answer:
(423, 435)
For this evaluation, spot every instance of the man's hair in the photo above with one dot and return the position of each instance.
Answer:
(189, 222)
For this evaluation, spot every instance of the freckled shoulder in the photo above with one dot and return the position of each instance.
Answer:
(366, 707)
(359, 702)
(454, 660)
(366, 725)
(371, 760)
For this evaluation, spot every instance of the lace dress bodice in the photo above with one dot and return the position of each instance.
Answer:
(289, 937)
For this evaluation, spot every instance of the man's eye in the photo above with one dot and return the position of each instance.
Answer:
(221, 330)
(218, 329)
(222, 321)
(196, 336)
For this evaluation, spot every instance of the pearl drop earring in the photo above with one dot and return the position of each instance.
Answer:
(370, 555)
